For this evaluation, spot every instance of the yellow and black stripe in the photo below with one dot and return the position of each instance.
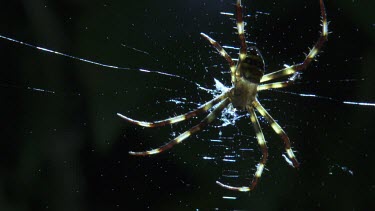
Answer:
(262, 144)
(276, 85)
(241, 30)
(207, 120)
(263, 160)
(279, 131)
(205, 107)
(312, 54)
(223, 53)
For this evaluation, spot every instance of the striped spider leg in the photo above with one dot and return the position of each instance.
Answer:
(223, 102)
(294, 70)
(246, 77)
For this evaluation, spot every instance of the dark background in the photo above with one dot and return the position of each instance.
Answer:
(63, 147)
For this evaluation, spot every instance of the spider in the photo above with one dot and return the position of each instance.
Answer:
(247, 77)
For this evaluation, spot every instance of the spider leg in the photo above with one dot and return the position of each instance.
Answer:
(203, 108)
(313, 52)
(262, 163)
(241, 30)
(207, 120)
(223, 53)
(276, 127)
(276, 85)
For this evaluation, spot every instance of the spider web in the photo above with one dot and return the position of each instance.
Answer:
(151, 64)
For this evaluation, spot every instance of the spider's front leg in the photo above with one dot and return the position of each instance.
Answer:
(224, 54)
(301, 66)
(241, 30)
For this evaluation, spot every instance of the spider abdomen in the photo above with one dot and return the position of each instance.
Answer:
(251, 67)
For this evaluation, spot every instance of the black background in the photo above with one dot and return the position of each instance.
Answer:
(64, 148)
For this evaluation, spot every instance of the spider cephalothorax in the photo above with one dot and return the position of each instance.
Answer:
(247, 79)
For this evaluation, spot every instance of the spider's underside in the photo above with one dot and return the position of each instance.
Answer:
(247, 79)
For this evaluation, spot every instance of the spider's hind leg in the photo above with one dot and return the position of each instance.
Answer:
(262, 163)
(277, 128)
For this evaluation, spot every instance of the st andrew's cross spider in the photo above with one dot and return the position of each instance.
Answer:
(247, 77)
